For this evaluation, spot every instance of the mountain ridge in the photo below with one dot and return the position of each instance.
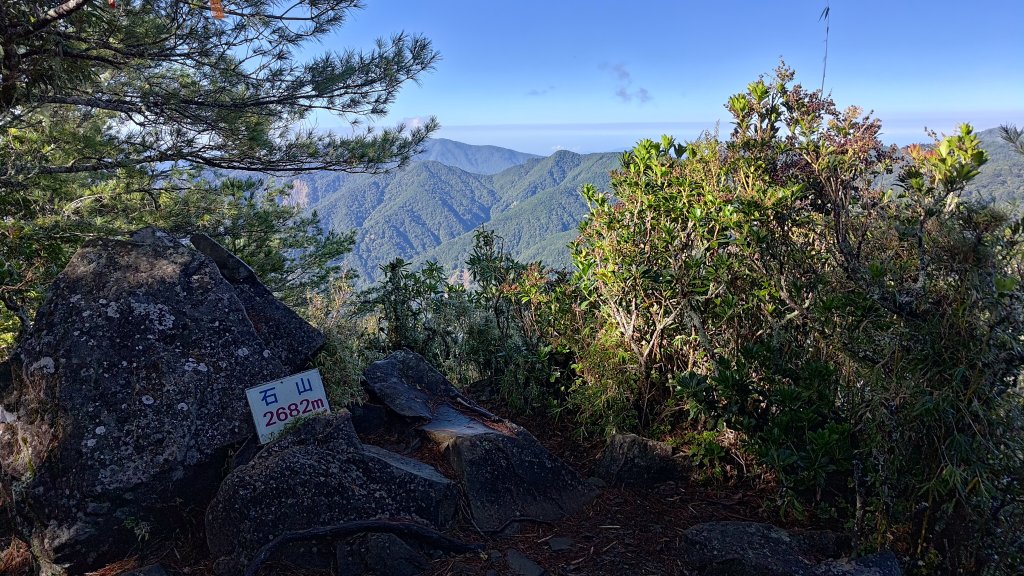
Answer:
(430, 209)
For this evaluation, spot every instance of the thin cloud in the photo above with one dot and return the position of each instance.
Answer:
(540, 91)
(414, 122)
(624, 78)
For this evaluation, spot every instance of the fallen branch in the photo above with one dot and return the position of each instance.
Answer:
(510, 521)
(406, 529)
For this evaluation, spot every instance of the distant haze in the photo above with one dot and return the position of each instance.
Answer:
(597, 76)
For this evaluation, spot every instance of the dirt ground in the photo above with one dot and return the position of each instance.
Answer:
(625, 531)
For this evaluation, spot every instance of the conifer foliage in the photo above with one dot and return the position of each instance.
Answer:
(111, 117)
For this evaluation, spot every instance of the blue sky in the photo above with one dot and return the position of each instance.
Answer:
(598, 75)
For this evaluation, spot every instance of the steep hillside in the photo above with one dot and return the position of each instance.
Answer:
(429, 210)
(423, 206)
(1002, 178)
(539, 211)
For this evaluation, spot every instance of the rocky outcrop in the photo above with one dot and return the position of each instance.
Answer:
(288, 337)
(631, 460)
(755, 549)
(128, 392)
(504, 472)
(319, 475)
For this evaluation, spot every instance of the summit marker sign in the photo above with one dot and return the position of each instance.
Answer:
(275, 404)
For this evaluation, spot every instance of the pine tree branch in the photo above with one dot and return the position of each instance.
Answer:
(59, 12)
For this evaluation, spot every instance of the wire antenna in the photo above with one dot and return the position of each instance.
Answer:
(824, 63)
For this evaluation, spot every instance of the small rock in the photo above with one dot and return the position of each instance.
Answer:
(743, 549)
(560, 543)
(631, 460)
(880, 564)
(520, 565)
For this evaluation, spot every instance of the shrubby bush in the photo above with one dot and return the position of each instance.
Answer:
(864, 341)
(349, 341)
(481, 335)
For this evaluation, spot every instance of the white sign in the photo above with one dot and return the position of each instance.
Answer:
(277, 403)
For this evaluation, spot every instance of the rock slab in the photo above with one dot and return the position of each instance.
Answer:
(504, 472)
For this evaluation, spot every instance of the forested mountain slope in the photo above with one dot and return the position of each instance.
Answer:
(429, 209)
(1002, 178)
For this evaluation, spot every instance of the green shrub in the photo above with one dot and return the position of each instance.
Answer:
(482, 335)
(349, 348)
(865, 342)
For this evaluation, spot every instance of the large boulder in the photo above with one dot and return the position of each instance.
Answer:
(505, 473)
(288, 337)
(128, 393)
(632, 460)
(319, 475)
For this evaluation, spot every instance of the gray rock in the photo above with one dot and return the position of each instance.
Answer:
(128, 394)
(753, 549)
(880, 564)
(378, 555)
(560, 544)
(520, 565)
(319, 474)
(504, 472)
(405, 383)
(743, 549)
(631, 460)
(506, 476)
(290, 338)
